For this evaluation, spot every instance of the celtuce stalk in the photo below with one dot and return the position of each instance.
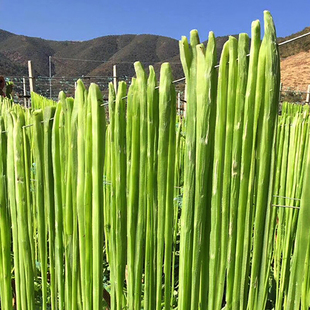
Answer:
(73, 147)
(188, 56)
(80, 103)
(41, 215)
(141, 216)
(112, 212)
(119, 261)
(98, 133)
(167, 101)
(217, 181)
(243, 221)
(267, 103)
(27, 286)
(228, 207)
(302, 243)
(162, 173)
(5, 231)
(49, 197)
(88, 303)
(150, 249)
(58, 208)
(133, 195)
(12, 202)
(206, 60)
(243, 50)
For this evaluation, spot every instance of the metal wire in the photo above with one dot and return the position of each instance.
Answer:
(76, 59)
(30, 125)
(178, 80)
(27, 126)
(286, 197)
(282, 43)
(107, 103)
(175, 81)
(293, 39)
(282, 206)
(115, 62)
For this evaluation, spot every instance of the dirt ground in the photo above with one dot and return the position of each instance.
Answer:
(295, 72)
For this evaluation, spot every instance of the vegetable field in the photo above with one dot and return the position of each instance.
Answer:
(126, 205)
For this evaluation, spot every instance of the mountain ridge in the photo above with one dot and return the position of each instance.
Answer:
(95, 57)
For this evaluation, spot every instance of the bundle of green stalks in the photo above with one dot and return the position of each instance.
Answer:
(40, 102)
(229, 170)
(291, 164)
(138, 208)
(48, 204)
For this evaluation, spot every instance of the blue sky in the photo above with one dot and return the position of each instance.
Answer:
(87, 19)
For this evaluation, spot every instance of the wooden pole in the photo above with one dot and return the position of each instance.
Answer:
(185, 101)
(31, 77)
(280, 92)
(50, 74)
(115, 78)
(308, 95)
(179, 103)
(25, 92)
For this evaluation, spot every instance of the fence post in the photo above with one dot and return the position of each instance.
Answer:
(31, 78)
(308, 95)
(280, 92)
(25, 93)
(185, 101)
(115, 78)
(50, 74)
(179, 103)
